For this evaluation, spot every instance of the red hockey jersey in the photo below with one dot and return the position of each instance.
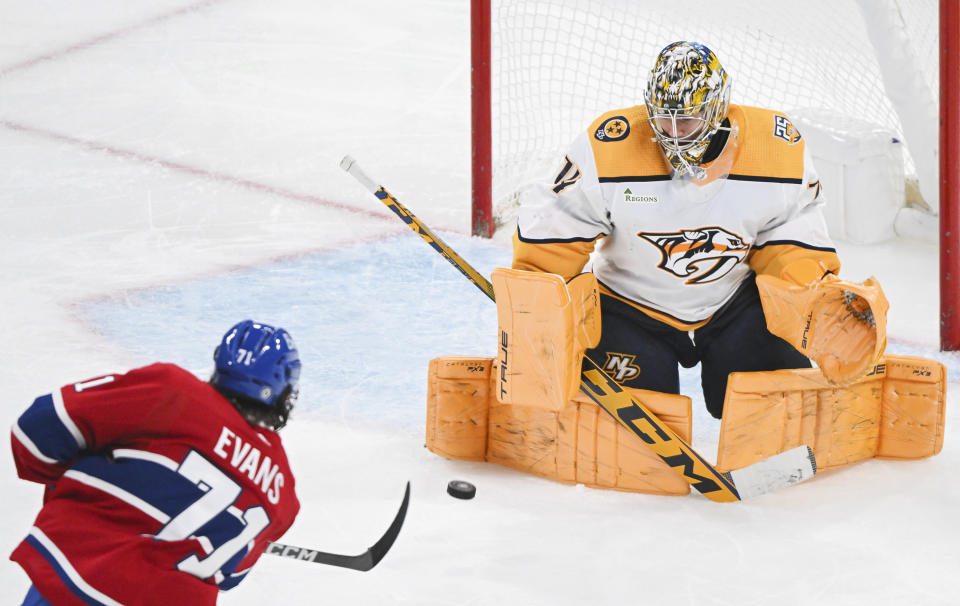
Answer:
(159, 491)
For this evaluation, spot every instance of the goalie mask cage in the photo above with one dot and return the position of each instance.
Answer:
(542, 70)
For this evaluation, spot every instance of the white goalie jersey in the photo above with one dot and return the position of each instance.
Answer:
(676, 249)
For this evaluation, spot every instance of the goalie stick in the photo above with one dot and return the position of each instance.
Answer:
(363, 562)
(773, 473)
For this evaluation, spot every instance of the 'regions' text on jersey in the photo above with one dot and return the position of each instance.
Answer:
(672, 247)
(159, 491)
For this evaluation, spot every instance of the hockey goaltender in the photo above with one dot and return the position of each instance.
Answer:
(684, 231)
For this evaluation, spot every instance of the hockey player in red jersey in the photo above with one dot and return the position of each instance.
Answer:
(683, 206)
(161, 488)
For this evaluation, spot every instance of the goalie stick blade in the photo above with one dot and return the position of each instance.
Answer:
(633, 415)
(363, 562)
(779, 471)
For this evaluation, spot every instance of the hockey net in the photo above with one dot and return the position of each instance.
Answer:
(557, 64)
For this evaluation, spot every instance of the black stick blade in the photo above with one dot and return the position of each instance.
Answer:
(381, 547)
(363, 562)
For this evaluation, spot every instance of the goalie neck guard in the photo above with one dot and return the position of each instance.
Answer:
(687, 96)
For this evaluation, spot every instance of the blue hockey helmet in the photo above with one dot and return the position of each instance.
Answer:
(257, 361)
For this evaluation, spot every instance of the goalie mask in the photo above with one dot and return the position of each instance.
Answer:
(687, 96)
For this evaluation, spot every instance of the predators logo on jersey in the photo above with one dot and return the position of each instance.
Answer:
(784, 129)
(702, 255)
(613, 129)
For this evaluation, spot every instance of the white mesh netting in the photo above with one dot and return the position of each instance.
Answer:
(557, 64)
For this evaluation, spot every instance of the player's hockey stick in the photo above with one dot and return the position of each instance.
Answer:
(363, 562)
(778, 471)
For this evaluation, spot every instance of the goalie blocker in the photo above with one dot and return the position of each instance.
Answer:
(546, 325)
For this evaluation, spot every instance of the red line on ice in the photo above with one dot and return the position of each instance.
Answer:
(192, 170)
(80, 46)
(144, 158)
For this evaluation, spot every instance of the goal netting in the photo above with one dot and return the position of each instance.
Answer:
(557, 64)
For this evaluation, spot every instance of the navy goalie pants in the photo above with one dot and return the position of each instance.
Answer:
(638, 351)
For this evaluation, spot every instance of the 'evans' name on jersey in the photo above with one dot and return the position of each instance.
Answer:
(247, 459)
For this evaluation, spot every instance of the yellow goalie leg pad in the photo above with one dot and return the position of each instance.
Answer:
(577, 444)
(840, 325)
(895, 412)
(546, 325)
(582, 444)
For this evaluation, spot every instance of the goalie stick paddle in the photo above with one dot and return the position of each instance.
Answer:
(773, 473)
(363, 562)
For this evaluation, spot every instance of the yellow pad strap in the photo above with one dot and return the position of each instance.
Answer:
(840, 325)
(897, 411)
(546, 326)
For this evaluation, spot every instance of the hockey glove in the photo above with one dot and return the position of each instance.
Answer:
(840, 325)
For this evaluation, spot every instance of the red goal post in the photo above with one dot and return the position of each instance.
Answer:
(543, 69)
(949, 175)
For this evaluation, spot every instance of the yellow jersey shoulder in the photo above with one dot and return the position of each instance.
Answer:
(623, 145)
(770, 146)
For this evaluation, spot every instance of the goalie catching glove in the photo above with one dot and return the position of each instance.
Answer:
(839, 325)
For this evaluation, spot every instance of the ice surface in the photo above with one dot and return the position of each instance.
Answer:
(172, 168)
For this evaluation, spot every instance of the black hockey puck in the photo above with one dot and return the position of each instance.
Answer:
(461, 490)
